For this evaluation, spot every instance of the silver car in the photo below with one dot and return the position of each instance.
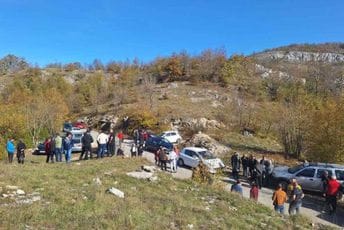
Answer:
(308, 175)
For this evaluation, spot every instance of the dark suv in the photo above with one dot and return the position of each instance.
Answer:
(153, 143)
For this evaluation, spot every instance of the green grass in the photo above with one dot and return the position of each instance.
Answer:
(165, 204)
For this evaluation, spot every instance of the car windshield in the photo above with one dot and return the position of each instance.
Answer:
(77, 135)
(295, 168)
(206, 155)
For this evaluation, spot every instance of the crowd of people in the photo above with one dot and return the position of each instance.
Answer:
(258, 173)
(255, 171)
(163, 156)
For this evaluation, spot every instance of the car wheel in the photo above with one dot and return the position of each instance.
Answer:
(180, 162)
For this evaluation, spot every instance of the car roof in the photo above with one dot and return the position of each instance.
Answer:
(195, 149)
(325, 165)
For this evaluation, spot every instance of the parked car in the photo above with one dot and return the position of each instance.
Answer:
(308, 175)
(192, 156)
(172, 136)
(77, 135)
(80, 125)
(40, 149)
(67, 127)
(153, 143)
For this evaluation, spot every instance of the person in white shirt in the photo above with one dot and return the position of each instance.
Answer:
(102, 140)
(173, 160)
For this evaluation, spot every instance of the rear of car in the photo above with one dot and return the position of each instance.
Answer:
(172, 136)
(77, 145)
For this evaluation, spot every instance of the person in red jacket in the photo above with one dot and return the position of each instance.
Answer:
(48, 150)
(120, 137)
(254, 191)
(332, 190)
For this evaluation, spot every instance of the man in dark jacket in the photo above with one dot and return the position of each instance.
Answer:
(244, 162)
(86, 142)
(21, 152)
(235, 162)
(48, 150)
(111, 144)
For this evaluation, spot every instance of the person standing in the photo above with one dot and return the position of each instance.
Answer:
(235, 162)
(237, 188)
(111, 144)
(49, 150)
(176, 150)
(254, 191)
(67, 147)
(157, 156)
(296, 202)
(173, 161)
(244, 162)
(102, 140)
(332, 190)
(163, 159)
(279, 198)
(11, 148)
(86, 142)
(21, 152)
(140, 150)
(120, 137)
(133, 150)
(58, 147)
(258, 171)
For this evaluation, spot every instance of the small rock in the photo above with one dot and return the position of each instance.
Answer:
(78, 163)
(36, 198)
(108, 173)
(207, 208)
(12, 187)
(153, 178)
(140, 175)
(116, 192)
(148, 168)
(20, 192)
(84, 198)
(190, 226)
(85, 185)
(97, 181)
(116, 182)
(5, 195)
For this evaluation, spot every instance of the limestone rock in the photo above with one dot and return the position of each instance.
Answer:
(140, 175)
(97, 181)
(20, 192)
(204, 141)
(116, 192)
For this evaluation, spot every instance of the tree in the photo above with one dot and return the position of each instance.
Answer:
(12, 64)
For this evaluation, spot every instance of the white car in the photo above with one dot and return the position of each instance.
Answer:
(172, 136)
(191, 156)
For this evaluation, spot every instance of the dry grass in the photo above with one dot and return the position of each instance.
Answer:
(71, 200)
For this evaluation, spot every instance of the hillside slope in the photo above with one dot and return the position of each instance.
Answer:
(69, 197)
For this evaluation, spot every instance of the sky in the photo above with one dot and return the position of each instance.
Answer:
(47, 31)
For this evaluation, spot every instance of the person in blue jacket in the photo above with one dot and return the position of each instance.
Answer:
(10, 147)
(67, 147)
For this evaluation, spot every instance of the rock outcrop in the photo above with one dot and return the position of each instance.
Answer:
(299, 56)
(205, 141)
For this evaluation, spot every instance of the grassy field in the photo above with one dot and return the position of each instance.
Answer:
(70, 199)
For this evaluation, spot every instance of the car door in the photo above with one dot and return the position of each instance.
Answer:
(173, 137)
(317, 184)
(189, 158)
(305, 178)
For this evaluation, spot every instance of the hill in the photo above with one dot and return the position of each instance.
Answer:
(69, 196)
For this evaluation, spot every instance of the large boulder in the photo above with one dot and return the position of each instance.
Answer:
(205, 141)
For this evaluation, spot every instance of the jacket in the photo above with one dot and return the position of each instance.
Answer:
(58, 142)
(87, 140)
(10, 147)
(333, 187)
(279, 197)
